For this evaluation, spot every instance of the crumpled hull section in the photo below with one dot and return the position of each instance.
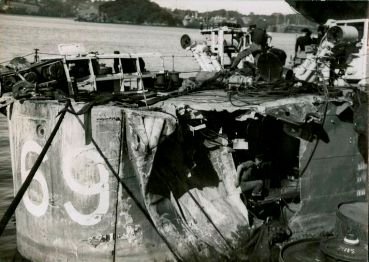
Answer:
(188, 191)
(179, 163)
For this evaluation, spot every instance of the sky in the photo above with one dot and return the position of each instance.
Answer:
(243, 6)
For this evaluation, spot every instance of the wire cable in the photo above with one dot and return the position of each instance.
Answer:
(121, 144)
(18, 197)
(128, 190)
(4, 62)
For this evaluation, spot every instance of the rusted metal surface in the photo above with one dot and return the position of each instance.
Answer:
(195, 221)
(159, 183)
(76, 210)
(337, 170)
(70, 207)
(352, 217)
(332, 176)
(74, 207)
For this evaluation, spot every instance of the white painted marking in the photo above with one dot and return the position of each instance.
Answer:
(101, 188)
(35, 209)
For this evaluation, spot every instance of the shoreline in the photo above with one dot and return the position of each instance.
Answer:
(95, 22)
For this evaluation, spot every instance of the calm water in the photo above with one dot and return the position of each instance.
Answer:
(19, 35)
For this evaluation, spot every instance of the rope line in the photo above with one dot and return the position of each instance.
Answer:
(4, 62)
(126, 188)
(121, 144)
(14, 204)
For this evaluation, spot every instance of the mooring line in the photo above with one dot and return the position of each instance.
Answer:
(126, 188)
(121, 144)
(14, 204)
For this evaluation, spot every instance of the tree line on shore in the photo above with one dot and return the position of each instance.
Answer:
(141, 12)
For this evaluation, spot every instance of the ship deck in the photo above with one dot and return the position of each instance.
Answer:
(219, 100)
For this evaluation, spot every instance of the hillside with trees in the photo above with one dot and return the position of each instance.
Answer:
(146, 12)
(138, 12)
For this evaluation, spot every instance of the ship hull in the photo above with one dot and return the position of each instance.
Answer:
(321, 11)
(76, 210)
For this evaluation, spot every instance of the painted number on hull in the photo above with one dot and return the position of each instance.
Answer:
(35, 209)
(101, 188)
